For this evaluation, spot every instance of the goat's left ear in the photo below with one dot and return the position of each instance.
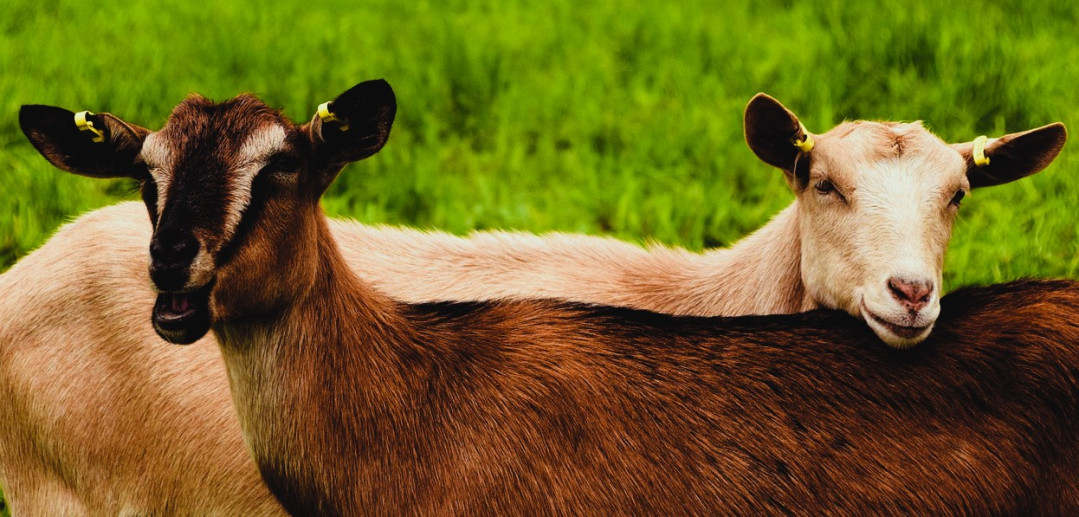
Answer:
(1015, 155)
(103, 147)
(352, 127)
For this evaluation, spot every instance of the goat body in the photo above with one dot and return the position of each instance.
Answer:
(494, 407)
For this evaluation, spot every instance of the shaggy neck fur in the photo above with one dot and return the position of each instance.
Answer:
(310, 354)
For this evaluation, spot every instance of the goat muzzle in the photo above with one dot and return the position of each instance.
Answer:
(182, 318)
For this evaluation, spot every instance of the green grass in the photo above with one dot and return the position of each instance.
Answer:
(612, 117)
(608, 117)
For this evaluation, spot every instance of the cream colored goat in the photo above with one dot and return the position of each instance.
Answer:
(867, 234)
(66, 429)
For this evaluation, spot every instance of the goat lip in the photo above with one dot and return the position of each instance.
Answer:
(174, 307)
(901, 331)
(182, 318)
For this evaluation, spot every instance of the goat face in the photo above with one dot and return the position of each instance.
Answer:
(207, 170)
(225, 186)
(876, 202)
(875, 216)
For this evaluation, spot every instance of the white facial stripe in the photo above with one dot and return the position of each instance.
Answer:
(254, 153)
(265, 141)
(156, 151)
(157, 155)
(162, 177)
(201, 270)
(907, 206)
(893, 190)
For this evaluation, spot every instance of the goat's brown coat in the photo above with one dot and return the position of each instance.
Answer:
(494, 407)
(353, 402)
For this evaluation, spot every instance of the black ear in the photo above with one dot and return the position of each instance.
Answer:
(771, 132)
(352, 127)
(1015, 155)
(58, 138)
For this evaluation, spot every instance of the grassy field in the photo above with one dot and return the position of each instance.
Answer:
(598, 117)
(602, 117)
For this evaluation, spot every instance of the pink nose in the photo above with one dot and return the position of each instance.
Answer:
(912, 295)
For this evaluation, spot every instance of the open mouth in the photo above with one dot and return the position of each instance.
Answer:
(900, 331)
(182, 318)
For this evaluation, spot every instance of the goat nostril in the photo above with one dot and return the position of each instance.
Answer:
(171, 248)
(912, 294)
(186, 248)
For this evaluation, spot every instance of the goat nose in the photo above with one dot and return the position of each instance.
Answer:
(911, 294)
(171, 253)
(173, 248)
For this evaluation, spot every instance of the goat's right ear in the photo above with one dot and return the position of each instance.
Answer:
(352, 127)
(774, 134)
(1013, 156)
(105, 147)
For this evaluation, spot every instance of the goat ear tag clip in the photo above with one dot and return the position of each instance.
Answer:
(806, 142)
(980, 159)
(83, 122)
(326, 115)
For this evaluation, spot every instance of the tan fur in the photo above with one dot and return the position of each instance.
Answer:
(892, 221)
(100, 416)
(63, 453)
(758, 276)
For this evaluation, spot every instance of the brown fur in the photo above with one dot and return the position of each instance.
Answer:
(496, 407)
(110, 353)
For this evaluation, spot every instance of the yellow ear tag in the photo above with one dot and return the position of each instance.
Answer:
(806, 142)
(87, 126)
(980, 159)
(326, 115)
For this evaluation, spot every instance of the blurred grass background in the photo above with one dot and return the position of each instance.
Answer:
(602, 117)
(609, 117)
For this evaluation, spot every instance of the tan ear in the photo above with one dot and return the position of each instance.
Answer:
(54, 133)
(771, 130)
(1014, 156)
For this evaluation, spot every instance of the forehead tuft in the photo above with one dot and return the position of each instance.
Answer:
(199, 124)
(871, 141)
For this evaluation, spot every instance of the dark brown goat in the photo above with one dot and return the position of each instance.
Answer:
(351, 402)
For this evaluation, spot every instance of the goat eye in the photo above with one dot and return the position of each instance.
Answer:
(824, 187)
(279, 164)
(958, 197)
(148, 185)
(148, 190)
